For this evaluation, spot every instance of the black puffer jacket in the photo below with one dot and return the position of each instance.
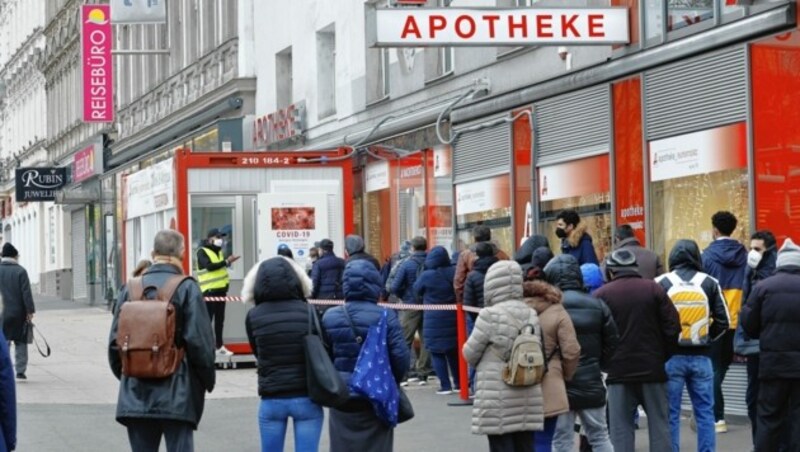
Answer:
(524, 255)
(277, 325)
(595, 328)
(473, 289)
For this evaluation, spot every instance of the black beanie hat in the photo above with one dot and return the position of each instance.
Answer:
(9, 250)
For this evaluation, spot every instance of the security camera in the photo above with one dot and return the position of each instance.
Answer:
(562, 53)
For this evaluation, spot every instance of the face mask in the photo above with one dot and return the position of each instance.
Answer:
(561, 233)
(218, 242)
(754, 258)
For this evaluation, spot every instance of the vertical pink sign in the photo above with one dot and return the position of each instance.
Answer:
(83, 164)
(96, 42)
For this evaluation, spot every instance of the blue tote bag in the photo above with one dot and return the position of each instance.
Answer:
(372, 377)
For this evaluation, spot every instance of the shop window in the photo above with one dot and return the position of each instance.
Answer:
(381, 232)
(207, 142)
(411, 198)
(283, 78)
(440, 198)
(326, 72)
(485, 202)
(589, 195)
(206, 218)
(685, 13)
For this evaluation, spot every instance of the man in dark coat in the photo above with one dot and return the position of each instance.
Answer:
(597, 334)
(172, 406)
(18, 308)
(649, 264)
(575, 239)
(649, 326)
(473, 289)
(326, 274)
(8, 400)
(354, 250)
(772, 315)
(524, 254)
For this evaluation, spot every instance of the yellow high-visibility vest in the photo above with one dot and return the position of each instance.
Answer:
(215, 279)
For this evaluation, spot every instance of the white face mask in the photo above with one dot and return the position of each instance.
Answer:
(754, 258)
(218, 242)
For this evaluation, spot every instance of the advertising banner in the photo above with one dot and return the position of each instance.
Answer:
(483, 195)
(696, 153)
(419, 27)
(138, 11)
(39, 184)
(83, 164)
(96, 44)
(151, 190)
(296, 220)
(377, 174)
(576, 178)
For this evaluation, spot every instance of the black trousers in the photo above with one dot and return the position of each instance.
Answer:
(511, 442)
(751, 396)
(778, 410)
(145, 435)
(216, 313)
(721, 359)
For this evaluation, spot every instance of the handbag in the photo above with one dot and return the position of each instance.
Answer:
(372, 377)
(31, 333)
(325, 385)
(405, 411)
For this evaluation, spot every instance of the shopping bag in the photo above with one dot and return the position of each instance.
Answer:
(325, 385)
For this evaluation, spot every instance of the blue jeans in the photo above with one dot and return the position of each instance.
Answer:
(441, 362)
(697, 373)
(543, 440)
(273, 416)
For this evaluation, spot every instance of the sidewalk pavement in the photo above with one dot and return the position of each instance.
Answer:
(68, 401)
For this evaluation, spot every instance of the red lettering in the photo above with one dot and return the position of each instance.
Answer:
(596, 26)
(471, 23)
(436, 23)
(411, 27)
(522, 25)
(491, 20)
(544, 26)
(569, 24)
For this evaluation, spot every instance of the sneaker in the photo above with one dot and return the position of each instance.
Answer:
(721, 426)
(21, 376)
(444, 392)
(413, 379)
(224, 351)
(404, 383)
(422, 381)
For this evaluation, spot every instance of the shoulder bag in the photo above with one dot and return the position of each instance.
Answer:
(325, 385)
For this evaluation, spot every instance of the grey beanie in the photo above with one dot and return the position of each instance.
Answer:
(353, 244)
(789, 254)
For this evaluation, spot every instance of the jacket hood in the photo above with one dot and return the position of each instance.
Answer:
(728, 252)
(540, 295)
(276, 279)
(484, 263)
(525, 252)
(592, 277)
(361, 281)
(629, 242)
(565, 273)
(685, 254)
(353, 244)
(437, 258)
(575, 237)
(503, 283)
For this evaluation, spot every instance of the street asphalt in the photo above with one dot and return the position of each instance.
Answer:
(68, 401)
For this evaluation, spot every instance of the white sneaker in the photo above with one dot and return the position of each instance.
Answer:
(444, 392)
(224, 351)
(721, 427)
(403, 384)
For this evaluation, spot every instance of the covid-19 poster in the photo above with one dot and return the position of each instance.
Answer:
(292, 220)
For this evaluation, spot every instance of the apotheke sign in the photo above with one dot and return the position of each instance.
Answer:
(39, 184)
(397, 27)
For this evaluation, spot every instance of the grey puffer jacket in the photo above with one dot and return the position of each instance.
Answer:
(499, 408)
(181, 396)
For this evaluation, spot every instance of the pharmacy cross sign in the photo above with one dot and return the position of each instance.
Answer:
(421, 27)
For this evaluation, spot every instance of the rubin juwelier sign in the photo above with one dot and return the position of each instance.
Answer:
(39, 184)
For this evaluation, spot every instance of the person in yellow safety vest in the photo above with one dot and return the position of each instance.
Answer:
(212, 275)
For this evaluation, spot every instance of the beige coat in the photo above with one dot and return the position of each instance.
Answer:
(499, 408)
(558, 332)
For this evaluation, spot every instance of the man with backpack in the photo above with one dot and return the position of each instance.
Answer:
(162, 393)
(704, 318)
(649, 326)
(402, 287)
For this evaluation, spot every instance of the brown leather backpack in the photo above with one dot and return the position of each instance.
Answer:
(146, 331)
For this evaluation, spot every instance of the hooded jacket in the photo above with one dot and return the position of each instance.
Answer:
(499, 408)
(179, 397)
(362, 287)
(17, 299)
(277, 325)
(435, 286)
(326, 276)
(648, 326)
(685, 263)
(8, 400)
(561, 345)
(579, 244)
(742, 343)
(772, 315)
(596, 331)
(466, 260)
(473, 289)
(524, 254)
(725, 260)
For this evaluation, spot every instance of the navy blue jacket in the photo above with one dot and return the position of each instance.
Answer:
(725, 260)
(473, 289)
(8, 400)
(406, 276)
(583, 251)
(326, 275)
(362, 287)
(435, 286)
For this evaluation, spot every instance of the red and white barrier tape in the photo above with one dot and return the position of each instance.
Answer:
(395, 306)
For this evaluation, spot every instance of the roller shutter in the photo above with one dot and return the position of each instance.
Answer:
(696, 94)
(79, 288)
(484, 152)
(572, 126)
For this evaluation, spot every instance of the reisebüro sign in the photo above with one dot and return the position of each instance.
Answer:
(39, 184)
(420, 27)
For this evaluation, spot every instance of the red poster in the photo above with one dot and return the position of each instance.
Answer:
(629, 155)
